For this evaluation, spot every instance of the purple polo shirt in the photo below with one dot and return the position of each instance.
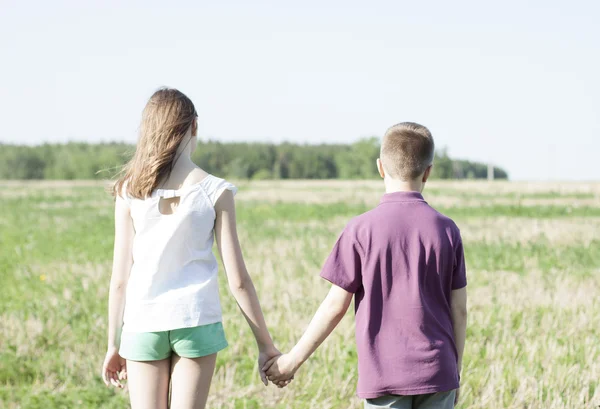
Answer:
(402, 260)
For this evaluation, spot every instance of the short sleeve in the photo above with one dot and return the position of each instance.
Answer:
(217, 187)
(343, 266)
(459, 275)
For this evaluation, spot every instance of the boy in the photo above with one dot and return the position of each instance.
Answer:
(404, 263)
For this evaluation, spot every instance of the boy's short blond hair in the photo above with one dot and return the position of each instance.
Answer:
(407, 149)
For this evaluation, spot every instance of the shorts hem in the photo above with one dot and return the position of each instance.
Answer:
(143, 358)
(140, 330)
(204, 351)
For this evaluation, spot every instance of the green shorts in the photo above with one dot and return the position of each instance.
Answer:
(186, 342)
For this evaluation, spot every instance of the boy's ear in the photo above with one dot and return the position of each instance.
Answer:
(380, 168)
(427, 173)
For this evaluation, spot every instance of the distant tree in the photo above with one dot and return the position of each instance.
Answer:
(77, 160)
(20, 162)
(442, 165)
(359, 161)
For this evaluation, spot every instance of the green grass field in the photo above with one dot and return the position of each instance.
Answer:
(533, 259)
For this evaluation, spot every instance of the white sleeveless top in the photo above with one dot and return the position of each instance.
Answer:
(173, 280)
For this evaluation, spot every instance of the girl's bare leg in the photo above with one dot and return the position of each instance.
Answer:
(190, 381)
(148, 383)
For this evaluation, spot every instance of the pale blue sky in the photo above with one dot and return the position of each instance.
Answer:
(514, 82)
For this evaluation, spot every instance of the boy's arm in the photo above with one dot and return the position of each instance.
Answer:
(330, 313)
(240, 283)
(458, 305)
(458, 301)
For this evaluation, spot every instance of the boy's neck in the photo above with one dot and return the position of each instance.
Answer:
(393, 185)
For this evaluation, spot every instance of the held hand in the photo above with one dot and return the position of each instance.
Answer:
(263, 358)
(114, 369)
(281, 370)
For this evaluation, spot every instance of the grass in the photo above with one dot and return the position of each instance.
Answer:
(533, 257)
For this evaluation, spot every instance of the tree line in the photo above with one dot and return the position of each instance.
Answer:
(238, 160)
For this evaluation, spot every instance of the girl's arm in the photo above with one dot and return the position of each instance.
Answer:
(328, 316)
(114, 368)
(240, 282)
(122, 262)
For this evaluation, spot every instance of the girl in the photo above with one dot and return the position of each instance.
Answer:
(164, 314)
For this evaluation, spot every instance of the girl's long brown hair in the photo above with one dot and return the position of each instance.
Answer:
(166, 119)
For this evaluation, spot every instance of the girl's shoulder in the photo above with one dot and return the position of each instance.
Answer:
(123, 195)
(196, 176)
(215, 186)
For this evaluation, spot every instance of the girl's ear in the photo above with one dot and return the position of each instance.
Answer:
(380, 168)
(195, 127)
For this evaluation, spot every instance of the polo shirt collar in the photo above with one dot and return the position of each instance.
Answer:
(402, 197)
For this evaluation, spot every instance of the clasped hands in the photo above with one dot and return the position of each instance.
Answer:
(280, 369)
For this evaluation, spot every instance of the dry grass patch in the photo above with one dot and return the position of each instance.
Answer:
(557, 232)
